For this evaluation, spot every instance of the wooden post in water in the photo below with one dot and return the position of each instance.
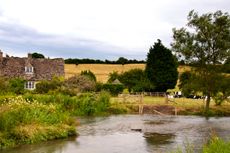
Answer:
(175, 111)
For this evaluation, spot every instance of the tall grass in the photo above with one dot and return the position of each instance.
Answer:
(215, 145)
(86, 104)
(23, 121)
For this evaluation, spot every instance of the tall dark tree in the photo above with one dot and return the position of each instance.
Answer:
(37, 55)
(206, 42)
(161, 67)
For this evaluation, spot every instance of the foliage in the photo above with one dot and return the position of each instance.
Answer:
(37, 55)
(161, 67)
(99, 86)
(121, 60)
(114, 89)
(113, 76)
(3, 85)
(216, 145)
(184, 85)
(89, 74)
(135, 80)
(226, 66)
(224, 90)
(16, 85)
(80, 83)
(45, 86)
(85, 104)
(206, 43)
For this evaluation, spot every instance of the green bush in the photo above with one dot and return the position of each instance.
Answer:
(89, 74)
(114, 89)
(46, 86)
(16, 85)
(4, 85)
(103, 101)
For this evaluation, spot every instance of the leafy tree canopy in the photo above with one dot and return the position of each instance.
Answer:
(205, 42)
(37, 55)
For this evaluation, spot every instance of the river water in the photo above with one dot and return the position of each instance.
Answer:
(135, 134)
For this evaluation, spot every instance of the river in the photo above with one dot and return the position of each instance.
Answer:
(135, 134)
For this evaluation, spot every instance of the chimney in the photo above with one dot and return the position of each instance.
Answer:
(29, 55)
(1, 55)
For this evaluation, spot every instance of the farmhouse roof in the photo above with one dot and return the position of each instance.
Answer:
(43, 69)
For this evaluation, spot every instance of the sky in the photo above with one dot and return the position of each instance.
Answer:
(98, 29)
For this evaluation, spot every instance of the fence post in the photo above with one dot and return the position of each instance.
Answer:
(166, 98)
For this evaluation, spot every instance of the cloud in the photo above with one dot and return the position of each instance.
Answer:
(95, 29)
(24, 39)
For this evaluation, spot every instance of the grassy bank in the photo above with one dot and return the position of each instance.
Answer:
(184, 106)
(26, 122)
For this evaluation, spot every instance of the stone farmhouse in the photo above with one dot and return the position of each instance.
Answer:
(31, 69)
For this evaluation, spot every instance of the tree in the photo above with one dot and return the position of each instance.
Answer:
(206, 42)
(161, 67)
(184, 84)
(136, 80)
(122, 60)
(89, 74)
(37, 55)
(113, 76)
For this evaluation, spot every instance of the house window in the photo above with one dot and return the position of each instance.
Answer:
(30, 85)
(29, 69)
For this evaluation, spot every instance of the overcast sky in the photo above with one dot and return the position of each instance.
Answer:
(99, 29)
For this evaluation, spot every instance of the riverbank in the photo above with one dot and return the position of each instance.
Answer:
(26, 122)
(33, 118)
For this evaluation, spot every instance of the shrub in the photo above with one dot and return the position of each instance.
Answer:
(113, 76)
(16, 85)
(89, 74)
(103, 101)
(114, 89)
(4, 85)
(80, 83)
(99, 86)
(45, 86)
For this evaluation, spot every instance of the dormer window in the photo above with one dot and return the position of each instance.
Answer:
(29, 69)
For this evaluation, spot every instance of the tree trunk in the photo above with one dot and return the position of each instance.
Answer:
(207, 103)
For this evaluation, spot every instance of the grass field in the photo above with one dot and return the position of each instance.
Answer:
(102, 70)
